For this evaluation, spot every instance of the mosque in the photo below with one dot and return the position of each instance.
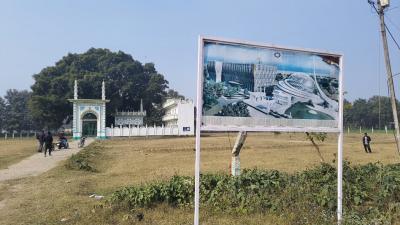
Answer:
(89, 118)
(89, 115)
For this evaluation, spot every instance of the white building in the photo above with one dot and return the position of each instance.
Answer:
(264, 76)
(179, 113)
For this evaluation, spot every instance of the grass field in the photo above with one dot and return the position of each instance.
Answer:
(14, 150)
(62, 194)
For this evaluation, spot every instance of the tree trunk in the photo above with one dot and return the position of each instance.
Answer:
(315, 146)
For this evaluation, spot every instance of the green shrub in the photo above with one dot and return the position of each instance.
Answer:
(371, 193)
(83, 159)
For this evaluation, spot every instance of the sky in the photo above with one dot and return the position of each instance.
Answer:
(35, 34)
(286, 60)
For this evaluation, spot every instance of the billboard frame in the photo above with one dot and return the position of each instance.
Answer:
(199, 112)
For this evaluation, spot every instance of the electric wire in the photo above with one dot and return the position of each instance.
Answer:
(393, 23)
(391, 35)
(379, 84)
(387, 28)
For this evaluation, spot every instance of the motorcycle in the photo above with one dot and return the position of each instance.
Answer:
(63, 143)
(81, 142)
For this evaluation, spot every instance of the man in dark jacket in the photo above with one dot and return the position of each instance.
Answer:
(366, 140)
(40, 137)
(49, 143)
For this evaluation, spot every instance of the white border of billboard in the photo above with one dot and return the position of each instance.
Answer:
(200, 128)
(279, 127)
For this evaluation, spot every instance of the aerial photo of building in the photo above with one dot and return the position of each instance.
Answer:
(267, 83)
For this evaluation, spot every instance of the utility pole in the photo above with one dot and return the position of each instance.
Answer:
(381, 7)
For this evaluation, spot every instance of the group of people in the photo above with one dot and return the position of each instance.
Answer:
(45, 141)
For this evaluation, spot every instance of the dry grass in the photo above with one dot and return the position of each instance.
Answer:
(13, 151)
(62, 193)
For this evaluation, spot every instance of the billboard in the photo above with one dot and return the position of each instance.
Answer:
(254, 87)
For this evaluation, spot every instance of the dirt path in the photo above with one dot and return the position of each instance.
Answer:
(38, 164)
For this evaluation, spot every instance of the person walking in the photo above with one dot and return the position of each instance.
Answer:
(48, 143)
(40, 137)
(366, 140)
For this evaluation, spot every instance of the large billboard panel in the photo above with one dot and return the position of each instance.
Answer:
(255, 87)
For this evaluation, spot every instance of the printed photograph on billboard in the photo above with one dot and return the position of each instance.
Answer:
(253, 86)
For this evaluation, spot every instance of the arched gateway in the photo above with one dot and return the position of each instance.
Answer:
(89, 115)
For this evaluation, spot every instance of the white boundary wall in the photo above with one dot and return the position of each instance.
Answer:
(143, 131)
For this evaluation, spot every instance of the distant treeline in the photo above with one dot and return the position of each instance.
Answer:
(374, 112)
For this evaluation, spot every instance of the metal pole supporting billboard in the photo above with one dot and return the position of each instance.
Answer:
(340, 148)
(199, 105)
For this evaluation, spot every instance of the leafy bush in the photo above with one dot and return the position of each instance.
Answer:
(371, 193)
(178, 191)
(82, 160)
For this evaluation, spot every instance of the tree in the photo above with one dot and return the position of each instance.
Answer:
(127, 82)
(359, 116)
(374, 112)
(320, 137)
(171, 93)
(2, 113)
(17, 116)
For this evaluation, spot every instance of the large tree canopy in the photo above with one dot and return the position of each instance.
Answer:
(127, 81)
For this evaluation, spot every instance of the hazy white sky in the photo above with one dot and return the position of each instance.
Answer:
(37, 33)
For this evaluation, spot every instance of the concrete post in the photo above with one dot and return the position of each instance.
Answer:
(386, 129)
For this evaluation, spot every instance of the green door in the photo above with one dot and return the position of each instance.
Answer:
(89, 125)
